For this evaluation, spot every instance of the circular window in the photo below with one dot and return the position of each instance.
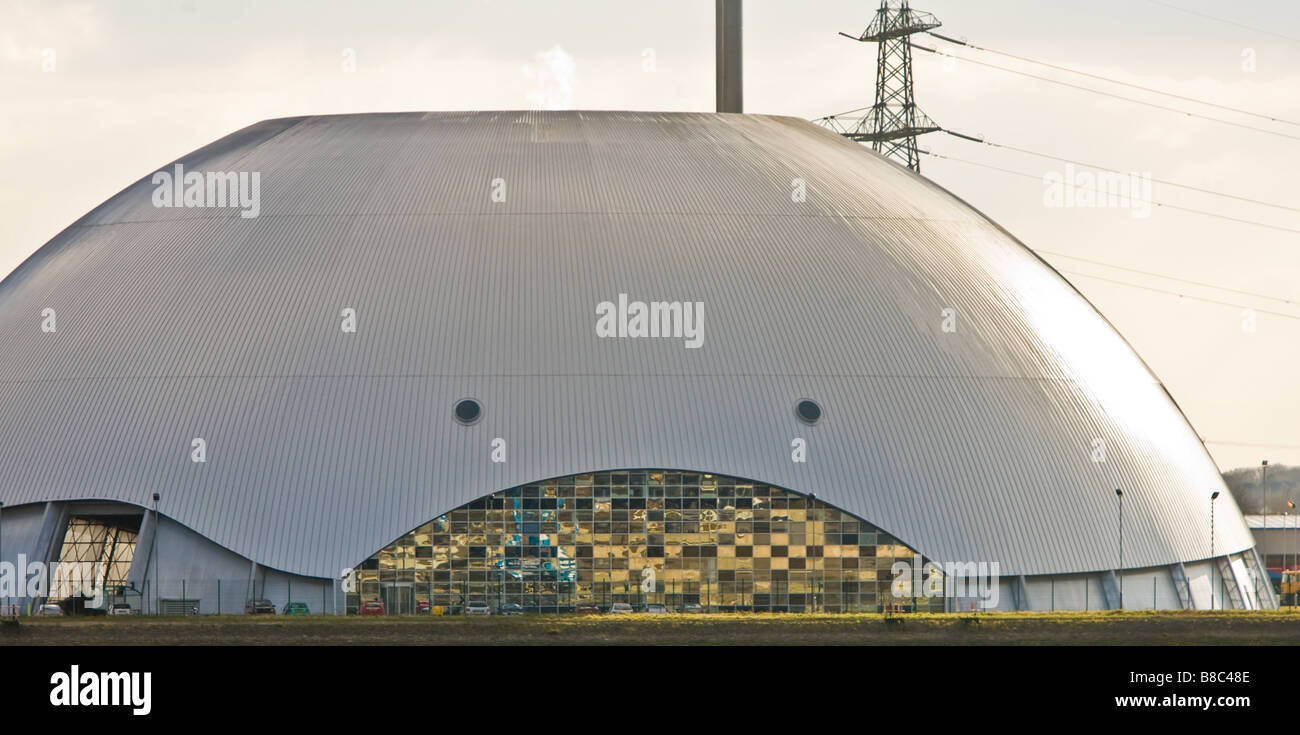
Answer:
(468, 411)
(808, 411)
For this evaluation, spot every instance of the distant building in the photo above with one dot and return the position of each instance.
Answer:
(1277, 538)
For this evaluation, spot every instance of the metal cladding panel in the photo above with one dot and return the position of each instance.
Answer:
(323, 446)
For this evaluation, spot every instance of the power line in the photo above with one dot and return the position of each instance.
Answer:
(1171, 6)
(1221, 121)
(1094, 189)
(1166, 182)
(838, 114)
(1253, 446)
(1170, 278)
(1182, 295)
(1113, 81)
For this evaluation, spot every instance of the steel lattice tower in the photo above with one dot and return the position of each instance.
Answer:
(894, 121)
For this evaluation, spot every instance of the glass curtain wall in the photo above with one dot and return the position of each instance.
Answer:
(96, 553)
(687, 541)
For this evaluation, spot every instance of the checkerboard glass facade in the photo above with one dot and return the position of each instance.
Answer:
(688, 541)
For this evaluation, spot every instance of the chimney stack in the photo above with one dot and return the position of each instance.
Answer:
(728, 57)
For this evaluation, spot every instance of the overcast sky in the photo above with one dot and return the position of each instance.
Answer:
(138, 83)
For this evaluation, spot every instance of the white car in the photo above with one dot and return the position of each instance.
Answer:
(50, 610)
(477, 608)
(620, 608)
(121, 608)
(656, 609)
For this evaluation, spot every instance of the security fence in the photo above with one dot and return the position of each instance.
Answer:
(283, 596)
(185, 596)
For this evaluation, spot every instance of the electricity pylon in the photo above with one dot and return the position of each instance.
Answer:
(893, 122)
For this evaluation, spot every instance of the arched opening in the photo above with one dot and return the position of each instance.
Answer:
(686, 541)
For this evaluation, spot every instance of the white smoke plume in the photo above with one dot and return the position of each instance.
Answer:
(556, 75)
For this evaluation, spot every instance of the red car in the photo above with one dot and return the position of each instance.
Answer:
(372, 607)
(423, 606)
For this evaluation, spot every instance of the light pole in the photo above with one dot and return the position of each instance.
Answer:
(1294, 596)
(1120, 494)
(1213, 497)
(1263, 483)
(1291, 506)
(153, 553)
(1286, 525)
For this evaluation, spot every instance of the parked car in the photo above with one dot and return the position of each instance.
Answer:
(296, 608)
(259, 607)
(655, 609)
(510, 608)
(477, 608)
(50, 610)
(121, 608)
(692, 607)
(372, 607)
(423, 607)
(620, 608)
(586, 608)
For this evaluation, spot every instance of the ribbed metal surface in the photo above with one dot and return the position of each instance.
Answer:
(324, 446)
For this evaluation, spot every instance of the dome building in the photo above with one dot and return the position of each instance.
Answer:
(558, 359)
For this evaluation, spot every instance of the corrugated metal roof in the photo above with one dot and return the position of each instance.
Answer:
(324, 446)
